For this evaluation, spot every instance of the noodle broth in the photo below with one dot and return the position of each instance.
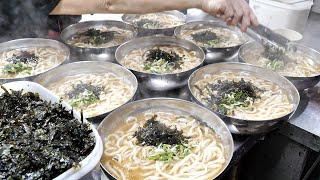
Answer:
(137, 60)
(24, 62)
(125, 158)
(95, 94)
(297, 64)
(242, 96)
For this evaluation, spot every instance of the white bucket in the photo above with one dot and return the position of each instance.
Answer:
(290, 14)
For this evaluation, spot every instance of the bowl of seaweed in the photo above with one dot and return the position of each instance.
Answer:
(42, 138)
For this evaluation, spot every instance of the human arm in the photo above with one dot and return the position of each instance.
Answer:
(232, 11)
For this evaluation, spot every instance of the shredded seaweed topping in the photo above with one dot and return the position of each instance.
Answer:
(24, 57)
(154, 133)
(277, 57)
(39, 140)
(84, 94)
(97, 37)
(21, 63)
(232, 94)
(159, 61)
(206, 37)
(148, 24)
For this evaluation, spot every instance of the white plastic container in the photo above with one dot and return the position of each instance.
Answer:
(290, 14)
(290, 34)
(93, 159)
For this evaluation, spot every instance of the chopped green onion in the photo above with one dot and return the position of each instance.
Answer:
(275, 65)
(167, 153)
(15, 68)
(83, 99)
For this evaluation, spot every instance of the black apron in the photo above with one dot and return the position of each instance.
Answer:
(29, 19)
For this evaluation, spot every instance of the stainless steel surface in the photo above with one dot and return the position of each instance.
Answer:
(177, 106)
(214, 55)
(159, 82)
(93, 54)
(129, 18)
(89, 67)
(243, 126)
(33, 42)
(301, 83)
(311, 35)
(308, 118)
(263, 34)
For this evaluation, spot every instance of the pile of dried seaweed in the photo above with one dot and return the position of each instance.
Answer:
(97, 37)
(159, 61)
(154, 133)
(277, 57)
(206, 37)
(169, 143)
(39, 140)
(84, 94)
(227, 95)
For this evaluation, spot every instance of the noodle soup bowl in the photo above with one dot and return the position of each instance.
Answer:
(26, 43)
(247, 126)
(131, 18)
(301, 83)
(214, 54)
(94, 53)
(178, 107)
(90, 67)
(160, 82)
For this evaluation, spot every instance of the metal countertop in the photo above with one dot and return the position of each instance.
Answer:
(309, 119)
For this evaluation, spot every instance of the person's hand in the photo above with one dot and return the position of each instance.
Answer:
(231, 11)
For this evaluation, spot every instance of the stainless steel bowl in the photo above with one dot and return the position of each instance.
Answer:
(93, 54)
(88, 67)
(301, 83)
(159, 82)
(177, 106)
(214, 55)
(129, 18)
(245, 126)
(33, 42)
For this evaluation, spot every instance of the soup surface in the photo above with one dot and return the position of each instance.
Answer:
(102, 37)
(157, 21)
(242, 96)
(23, 62)
(161, 60)
(213, 37)
(95, 94)
(163, 145)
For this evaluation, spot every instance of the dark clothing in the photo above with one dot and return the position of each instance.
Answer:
(29, 18)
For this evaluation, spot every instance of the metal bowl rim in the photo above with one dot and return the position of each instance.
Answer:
(64, 48)
(245, 45)
(213, 23)
(173, 11)
(296, 94)
(134, 31)
(200, 50)
(178, 100)
(111, 64)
